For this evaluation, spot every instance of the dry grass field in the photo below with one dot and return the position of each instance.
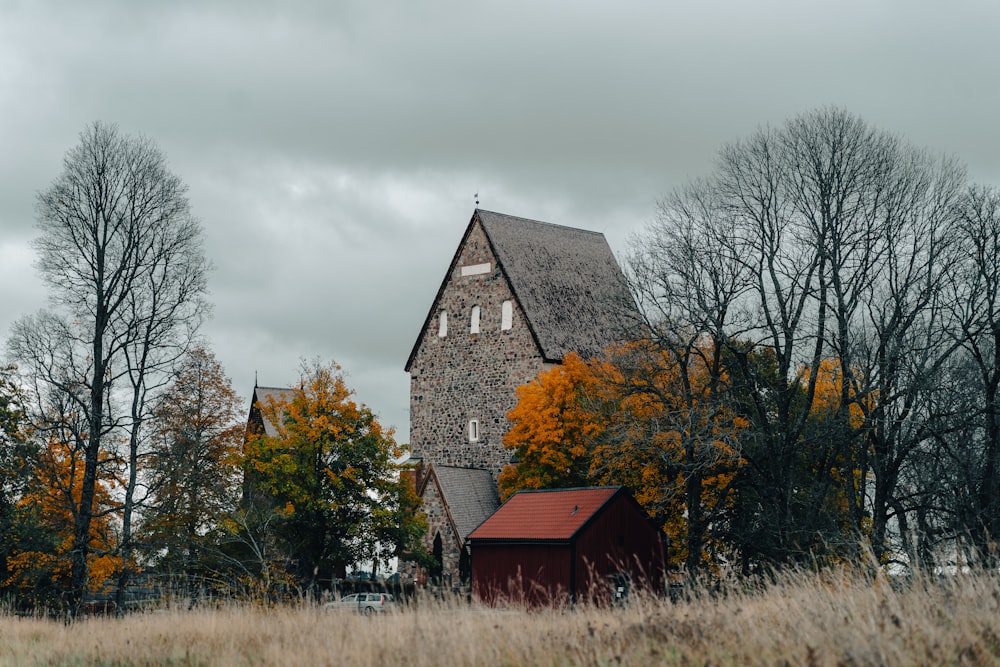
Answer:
(828, 619)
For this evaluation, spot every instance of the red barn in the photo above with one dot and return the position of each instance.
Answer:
(565, 545)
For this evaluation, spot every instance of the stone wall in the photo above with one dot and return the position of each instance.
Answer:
(437, 523)
(433, 507)
(465, 376)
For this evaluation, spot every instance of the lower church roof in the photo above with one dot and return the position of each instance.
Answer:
(470, 495)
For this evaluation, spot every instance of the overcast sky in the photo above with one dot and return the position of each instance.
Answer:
(332, 149)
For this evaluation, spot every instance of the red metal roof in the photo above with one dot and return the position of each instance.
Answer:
(554, 514)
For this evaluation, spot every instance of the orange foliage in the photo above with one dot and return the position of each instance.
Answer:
(837, 464)
(53, 494)
(642, 417)
(829, 390)
(675, 440)
(553, 429)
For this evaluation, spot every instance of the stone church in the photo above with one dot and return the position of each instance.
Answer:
(519, 294)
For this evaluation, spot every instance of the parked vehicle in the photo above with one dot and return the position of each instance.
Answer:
(363, 603)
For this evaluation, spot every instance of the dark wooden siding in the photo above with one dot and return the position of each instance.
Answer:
(536, 574)
(618, 539)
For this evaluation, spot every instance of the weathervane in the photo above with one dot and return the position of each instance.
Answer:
(477, 199)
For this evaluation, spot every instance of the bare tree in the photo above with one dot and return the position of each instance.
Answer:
(121, 255)
(816, 253)
(163, 311)
(686, 277)
(970, 438)
(904, 340)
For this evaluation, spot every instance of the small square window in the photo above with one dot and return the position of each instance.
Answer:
(473, 430)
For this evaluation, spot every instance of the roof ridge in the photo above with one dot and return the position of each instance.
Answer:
(542, 222)
(573, 488)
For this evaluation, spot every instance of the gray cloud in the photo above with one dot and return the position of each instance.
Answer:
(332, 149)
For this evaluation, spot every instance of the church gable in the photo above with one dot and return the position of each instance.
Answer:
(518, 295)
(474, 350)
(441, 540)
(469, 494)
(475, 279)
(455, 501)
(565, 284)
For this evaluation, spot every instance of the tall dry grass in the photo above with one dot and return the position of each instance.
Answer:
(828, 619)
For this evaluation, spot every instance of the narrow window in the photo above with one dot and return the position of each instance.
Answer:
(473, 430)
(506, 315)
(437, 566)
(474, 327)
(443, 324)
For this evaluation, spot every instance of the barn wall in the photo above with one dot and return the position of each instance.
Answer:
(618, 539)
(535, 574)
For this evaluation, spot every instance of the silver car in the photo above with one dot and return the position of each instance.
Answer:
(363, 603)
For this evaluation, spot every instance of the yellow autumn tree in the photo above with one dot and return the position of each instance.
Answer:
(330, 473)
(831, 394)
(42, 570)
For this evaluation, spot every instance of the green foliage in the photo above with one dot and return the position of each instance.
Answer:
(330, 472)
(194, 468)
(13, 467)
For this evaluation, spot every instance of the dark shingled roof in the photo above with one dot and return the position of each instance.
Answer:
(566, 280)
(469, 493)
(554, 514)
